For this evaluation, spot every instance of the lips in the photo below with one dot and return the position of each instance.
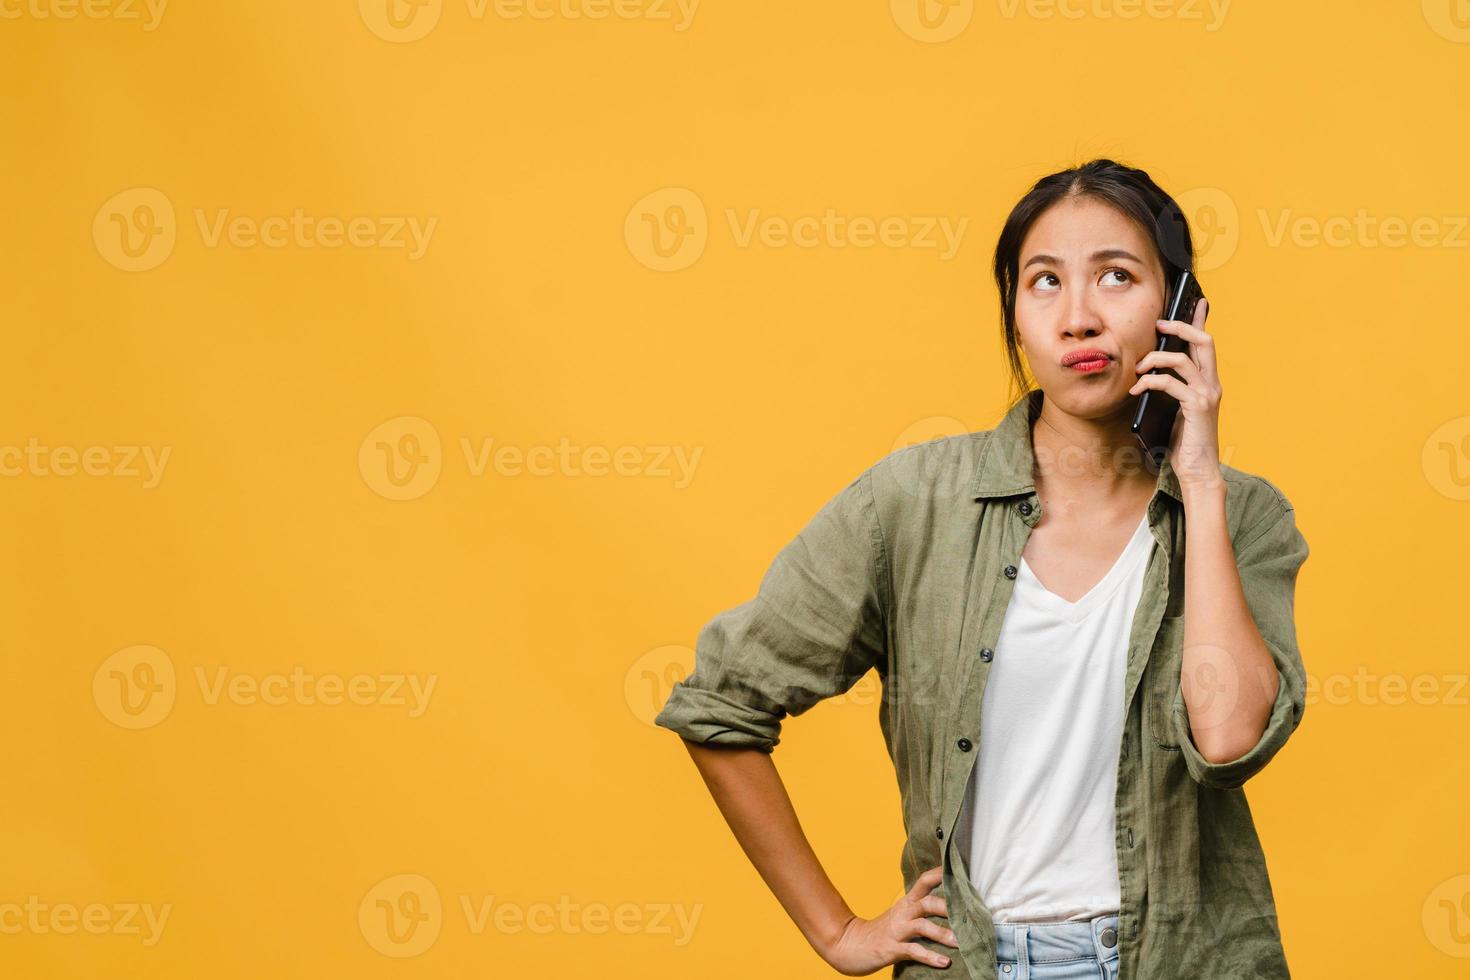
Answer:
(1088, 358)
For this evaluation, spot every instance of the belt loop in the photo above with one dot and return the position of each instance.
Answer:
(1023, 953)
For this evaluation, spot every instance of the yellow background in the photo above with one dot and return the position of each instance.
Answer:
(553, 607)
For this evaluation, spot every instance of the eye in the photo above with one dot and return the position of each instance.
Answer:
(1044, 275)
(1122, 272)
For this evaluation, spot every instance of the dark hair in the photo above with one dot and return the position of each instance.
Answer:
(1129, 190)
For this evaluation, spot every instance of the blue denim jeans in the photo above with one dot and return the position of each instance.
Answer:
(1057, 950)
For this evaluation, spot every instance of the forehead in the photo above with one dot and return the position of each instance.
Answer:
(1082, 225)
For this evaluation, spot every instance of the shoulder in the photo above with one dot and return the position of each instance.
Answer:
(1253, 504)
(938, 469)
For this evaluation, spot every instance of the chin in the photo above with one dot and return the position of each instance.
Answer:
(1080, 398)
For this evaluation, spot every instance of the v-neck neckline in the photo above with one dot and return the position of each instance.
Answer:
(1102, 588)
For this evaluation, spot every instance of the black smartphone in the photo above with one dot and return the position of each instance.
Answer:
(1153, 419)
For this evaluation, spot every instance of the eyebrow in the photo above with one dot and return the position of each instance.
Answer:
(1101, 256)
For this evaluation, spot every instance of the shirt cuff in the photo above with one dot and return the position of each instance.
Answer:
(704, 716)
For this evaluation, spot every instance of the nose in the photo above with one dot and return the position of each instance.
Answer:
(1081, 319)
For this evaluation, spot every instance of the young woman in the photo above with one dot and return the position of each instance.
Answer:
(1083, 659)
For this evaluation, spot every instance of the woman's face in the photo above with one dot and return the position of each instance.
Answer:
(1089, 279)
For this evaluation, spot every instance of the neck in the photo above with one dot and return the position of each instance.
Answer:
(1093, 461)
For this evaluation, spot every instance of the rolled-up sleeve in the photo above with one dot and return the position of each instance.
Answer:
(815, 626)
(1269, 559)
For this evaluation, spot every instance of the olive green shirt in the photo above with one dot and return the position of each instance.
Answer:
(908, 570)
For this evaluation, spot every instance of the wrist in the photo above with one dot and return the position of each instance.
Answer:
(1203, 493)
(830, 934)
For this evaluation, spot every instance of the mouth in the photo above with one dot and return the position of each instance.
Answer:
(1087, 361)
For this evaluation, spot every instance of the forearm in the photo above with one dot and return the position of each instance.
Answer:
(751, 796)
(1228, 676)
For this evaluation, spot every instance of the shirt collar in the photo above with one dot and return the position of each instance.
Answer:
(1006, 458)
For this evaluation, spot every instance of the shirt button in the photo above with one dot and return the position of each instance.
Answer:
(1010, 571)
(1024, 507)
(965, 744)
(986, 653)
(939, 832)
(1130, 836)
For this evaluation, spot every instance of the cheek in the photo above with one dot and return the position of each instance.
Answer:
(1136, 329)
(1029, 320)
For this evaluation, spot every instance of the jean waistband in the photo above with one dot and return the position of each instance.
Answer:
(1050, 941)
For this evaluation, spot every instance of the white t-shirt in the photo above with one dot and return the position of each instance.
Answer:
(1040, 807)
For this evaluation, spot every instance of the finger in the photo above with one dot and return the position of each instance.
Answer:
(1201, 341)
(926, 882)
(1162, 382)
(935, 931)
(1190, 332)
(934, 905)
(1173, 360)
(914, 951)
(1206, 352)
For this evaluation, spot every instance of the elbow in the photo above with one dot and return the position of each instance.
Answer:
(1239, 734)
(1225, 744)
(1219, 752)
